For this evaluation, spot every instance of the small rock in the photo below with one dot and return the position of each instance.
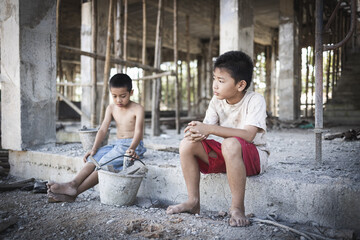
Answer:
(110, 221)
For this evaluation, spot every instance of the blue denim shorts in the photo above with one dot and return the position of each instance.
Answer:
(116, 150)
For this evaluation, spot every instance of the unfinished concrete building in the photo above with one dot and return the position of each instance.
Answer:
(56, 58)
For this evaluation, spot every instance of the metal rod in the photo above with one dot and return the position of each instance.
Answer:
(331, 19)
(318, 79)
(351, 31)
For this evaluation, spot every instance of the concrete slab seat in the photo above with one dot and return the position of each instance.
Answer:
(292, 192)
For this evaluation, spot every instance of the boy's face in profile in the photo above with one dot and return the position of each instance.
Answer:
(121, 96)
(224, 86)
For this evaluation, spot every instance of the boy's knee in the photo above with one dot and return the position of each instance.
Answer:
(186, 145)
(230, 146)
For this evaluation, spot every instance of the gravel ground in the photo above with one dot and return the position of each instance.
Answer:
(87, 218)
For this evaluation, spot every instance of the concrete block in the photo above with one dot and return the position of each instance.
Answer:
(291, 195)
(45, 166)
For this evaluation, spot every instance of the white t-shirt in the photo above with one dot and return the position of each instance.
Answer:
(251, 110)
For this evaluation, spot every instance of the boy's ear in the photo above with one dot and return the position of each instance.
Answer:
(241, 85)
(131, 92)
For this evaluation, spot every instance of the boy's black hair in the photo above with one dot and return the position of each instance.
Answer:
(238, 64)
(120, 80)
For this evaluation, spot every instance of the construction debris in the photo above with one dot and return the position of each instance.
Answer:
(6, 220)
(350, 135)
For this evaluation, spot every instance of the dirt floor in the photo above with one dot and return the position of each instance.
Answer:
(87, 218)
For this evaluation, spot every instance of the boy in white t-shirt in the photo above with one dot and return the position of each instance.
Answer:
(238, 116)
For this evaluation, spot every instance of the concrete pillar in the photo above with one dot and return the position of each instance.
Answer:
(86, 40)
(289, 58)
(237, 26)
(28, 76)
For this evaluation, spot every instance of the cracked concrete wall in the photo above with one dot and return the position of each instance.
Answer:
(28, 40)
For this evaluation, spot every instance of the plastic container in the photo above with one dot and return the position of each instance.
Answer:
(118, 189)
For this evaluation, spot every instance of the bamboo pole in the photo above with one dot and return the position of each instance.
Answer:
(125, 30)
(188, 65)
(177, 100)
(143, 52)
(155, 115)
(112, 59)
(107, 63)
(93, 63)
(118, 51)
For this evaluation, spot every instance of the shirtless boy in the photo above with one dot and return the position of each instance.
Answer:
(238, 116)
(129, 119)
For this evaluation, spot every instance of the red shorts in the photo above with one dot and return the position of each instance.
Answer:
(250, 156)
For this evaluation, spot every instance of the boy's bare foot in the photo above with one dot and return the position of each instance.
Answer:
(62, 188)
(184, 207)
(55, 197)
(238, 218)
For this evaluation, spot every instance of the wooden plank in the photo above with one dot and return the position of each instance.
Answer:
(73, 106)
(113, 59)
(154, 76)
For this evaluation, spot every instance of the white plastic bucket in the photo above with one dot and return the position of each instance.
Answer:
(87, 138)
(118, 189)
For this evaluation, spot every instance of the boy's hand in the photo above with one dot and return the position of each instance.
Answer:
(196, 131)
(131, 152)
(90, 152)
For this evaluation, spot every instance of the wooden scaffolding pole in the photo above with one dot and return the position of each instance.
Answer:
(112, 59)
(107, 63)
(188, 65)
(58, 58)
(177, 100)
(143, 53)
(156, 90)
(125, 30)
(118, 34)
(307, 81)
(268, 52)
(211, 43)
(93, 63)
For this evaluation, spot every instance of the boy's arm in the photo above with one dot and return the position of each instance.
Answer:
(103, 129)
(139, 130)
(248, 133)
